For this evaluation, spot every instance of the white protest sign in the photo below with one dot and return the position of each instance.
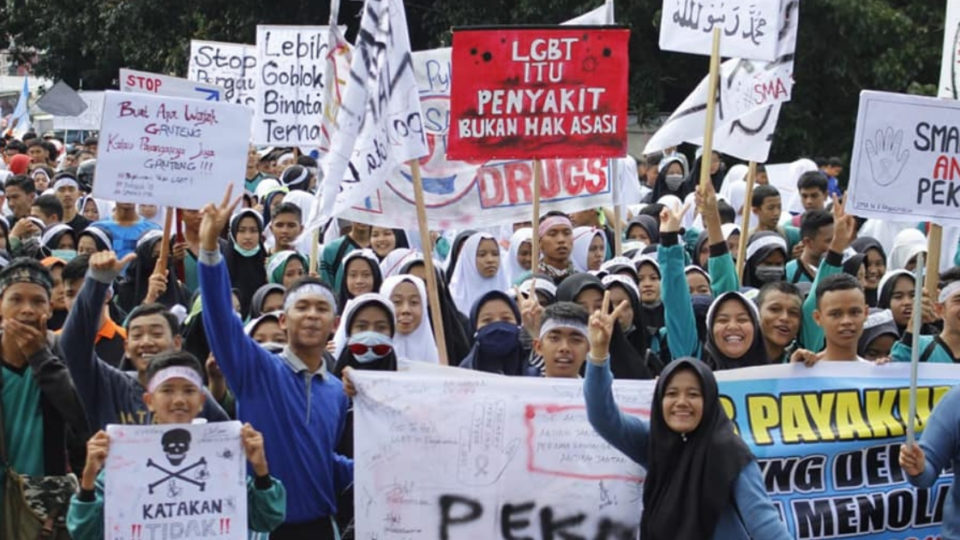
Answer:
(170, 151)
(906, 158)
(232, 66)
(950, 58)
(748, 28)
(289, 85)
(165, 85)
(175, 481)
(510, 454)
(89, 119)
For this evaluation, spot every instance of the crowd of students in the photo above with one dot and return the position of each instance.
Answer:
(238, 325)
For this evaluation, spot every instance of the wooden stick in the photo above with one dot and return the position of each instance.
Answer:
(707, 155)
(745, 222)
(934, 244)
(915, 349)
(181, 271)
(436, 317)
(161, 266)
(617, 208)
(535, 239)
(315, 252)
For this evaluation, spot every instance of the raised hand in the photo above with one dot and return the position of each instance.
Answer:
(215, 218)
(670, 220)
(844, 226)
(253, 447)
(602, 323)
(531, 312)
(97, 449)
(106, 261)
(886, 159)
(156, 286)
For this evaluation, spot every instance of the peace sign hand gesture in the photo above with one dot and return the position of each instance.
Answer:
(215, 218)
(844, 226)
(602, 323)
(670, 219)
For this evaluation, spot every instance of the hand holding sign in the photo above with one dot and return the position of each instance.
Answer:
(97, 448)
(886, 158)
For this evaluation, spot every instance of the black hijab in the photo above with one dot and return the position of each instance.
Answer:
(256, 302)
(247, 274)
(346, 358)
(100, 236)
(455, 248)
(660, 186)
(690, 476)
(133, 288)
(756, 355)
(455, 324)
(693, 179)
(515, 362)
(649, 224)
(365, 255)
(756, 255)
(653, 316)
(266, 204)
(863, 245)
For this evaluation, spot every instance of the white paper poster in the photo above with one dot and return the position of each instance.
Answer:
(164, 85)
(170, 151)
(232, 66)
(906, 158)
(175, 481)
(748, 28)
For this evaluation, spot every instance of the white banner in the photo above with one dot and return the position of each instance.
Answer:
(379, 124)
(89, 119)
(289, 86)
(748, 29)
(157, 149)
(232, 66)
(506, 455)
(750, 93)
(164, 85)
(906, 158)
(599, 16)
(175, 481)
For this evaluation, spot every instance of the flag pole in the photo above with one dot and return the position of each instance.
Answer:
(745, 222)
(161, 266)
(535, 239)
(915, 349)
(714, 77)
(436, 317)
(617, 208)
(934, 245)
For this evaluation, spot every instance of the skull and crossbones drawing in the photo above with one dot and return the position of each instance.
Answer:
(176, 444)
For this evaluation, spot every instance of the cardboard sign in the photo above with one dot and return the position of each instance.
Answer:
(170, 151)
(558, 92)
(289, 85)
(165, 85)
(748, 28)
(175, 481)
(906, 158)
(231, 66)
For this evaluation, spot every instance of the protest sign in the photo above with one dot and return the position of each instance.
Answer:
(175, 481)
(556, 92)
(748, 29)
(826, 439)
(165, 85)
(231, 66)
(89, 119)
(379, 123)
(905, 162)
(153, 148)
(289, 85)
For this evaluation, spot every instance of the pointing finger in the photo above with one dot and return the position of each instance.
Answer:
(606, 303)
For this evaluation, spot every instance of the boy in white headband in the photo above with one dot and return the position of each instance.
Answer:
(944, 347)
(556, 245)
(67, 189)
(563, 343)
(174, 396)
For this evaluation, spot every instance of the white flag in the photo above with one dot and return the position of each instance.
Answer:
(599, 16)
(380, 122)
(750, 94)
(339, 53)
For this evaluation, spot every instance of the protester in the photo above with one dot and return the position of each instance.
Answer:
(478, 271)
(556, 245)
(125, 227)
(497, 345)
(413, 339)
(944, 346)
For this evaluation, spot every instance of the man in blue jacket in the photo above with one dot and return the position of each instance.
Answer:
(290, 396)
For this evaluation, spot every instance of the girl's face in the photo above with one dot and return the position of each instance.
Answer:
(697, 283)
(596, 253)
(272, 302)
(639, 233)
(359, 277)
(408, 306)
(901, 300)
(733, 329)
(876, 267)
(775, 258)
(292, 272)
(703, 258)
(248, 233)
(675, 168)
(86, 245)
(90, 210)
(41, 181)
(66, 242)
(649, 284)
(495, 310)
(488, 258)
(525, 255)
(683, 402)
(382, 241)
(269, 332)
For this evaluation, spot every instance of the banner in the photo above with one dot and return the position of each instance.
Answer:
(747, 29)
(516, 456)
(379, 124)
(164, 85)
(153, 148)
(594, 17)
(175, 481)
(750, 94)
(906, 158)
(552, 92)
(231, 66)
(289, 86)
(89, 119)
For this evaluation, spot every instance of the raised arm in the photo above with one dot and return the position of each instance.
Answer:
(677, 307)
(723, 272)
(845, 230)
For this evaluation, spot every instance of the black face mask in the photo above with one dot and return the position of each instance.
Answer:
(498, 338)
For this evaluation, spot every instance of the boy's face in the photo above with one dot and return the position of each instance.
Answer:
(564, 351)
(949, 311)
(148, 336)
(820, 243)
(768, 214)
(841, 314)
(176, 401)
(557, 242)
(286, 228)
(812, 199)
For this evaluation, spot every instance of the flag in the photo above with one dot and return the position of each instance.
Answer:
(19, 122)
(601, 15)
(379, 124)
(61, 100)
(750, 94)
(339, 53)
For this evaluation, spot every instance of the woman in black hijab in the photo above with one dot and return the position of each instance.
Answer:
(875, 266)
(671, 180)
(245, 256)
(260, 297)
(497, 347)
(702, 481)
(734, 337)
(644, 228)
(136, 281)
(361, 274)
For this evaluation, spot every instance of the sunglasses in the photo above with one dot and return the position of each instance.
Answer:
(361, 349)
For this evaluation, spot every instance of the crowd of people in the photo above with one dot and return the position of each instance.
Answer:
(98, 327)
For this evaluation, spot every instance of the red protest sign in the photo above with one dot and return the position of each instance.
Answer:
(521, 93)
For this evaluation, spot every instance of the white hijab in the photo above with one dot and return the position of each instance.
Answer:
(907, 244)
(514, 270)
(467, 285)
(582, 237)
(736, 174)
(418, 345)
(390, 265)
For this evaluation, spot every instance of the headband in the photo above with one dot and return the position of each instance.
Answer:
(302, 177)
(539, 284)
(53, 231)
(569, 324)
(881, 317)
(99, 234)
(26, 274)
(554, 221)
(619, 279)
(765, 241)
(950, 290)
(65, 181)
(174, 372)
(149, 236)
(309, 289)
(701, 271)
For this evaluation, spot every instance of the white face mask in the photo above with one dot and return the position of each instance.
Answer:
(673, 181)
